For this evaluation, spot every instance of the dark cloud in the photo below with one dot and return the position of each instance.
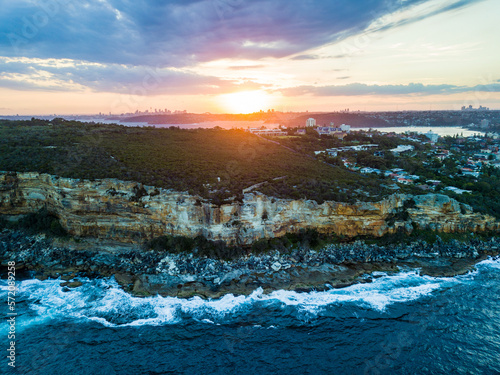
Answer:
(380, 90)
(178, 33)
(345, 77)
(126, 39)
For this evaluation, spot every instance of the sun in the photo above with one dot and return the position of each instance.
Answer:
(246, 101)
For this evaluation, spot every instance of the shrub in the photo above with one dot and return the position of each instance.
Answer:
(42, 221)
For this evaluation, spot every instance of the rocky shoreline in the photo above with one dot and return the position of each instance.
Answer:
(144, 273)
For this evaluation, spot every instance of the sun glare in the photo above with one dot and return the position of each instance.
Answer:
(247, 101)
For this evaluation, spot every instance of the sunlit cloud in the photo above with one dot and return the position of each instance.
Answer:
(284, 49)
(355, 89)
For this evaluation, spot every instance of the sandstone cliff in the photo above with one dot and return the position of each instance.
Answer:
(124, 211)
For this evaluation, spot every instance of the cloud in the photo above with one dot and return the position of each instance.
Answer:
(381, 90)
(36, 74)
(152, 46)
(246, 67)
(179, 33)
(306, 57)
(445, 6)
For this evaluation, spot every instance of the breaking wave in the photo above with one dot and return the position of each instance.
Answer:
(103, 301)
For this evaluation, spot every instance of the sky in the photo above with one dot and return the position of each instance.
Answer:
(241, 56)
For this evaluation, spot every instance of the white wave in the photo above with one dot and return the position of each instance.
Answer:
(490, 263)
(382, 292)
(104, 301)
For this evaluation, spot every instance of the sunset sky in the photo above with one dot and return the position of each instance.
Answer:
(81, 57)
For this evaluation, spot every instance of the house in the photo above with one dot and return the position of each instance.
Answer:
(387, 173)
(301, 132)
(481, 156)
(457, 190)
(425, 187)
(367, 170)
(332, 152)
(470, 172)
(402, 148)
(433, 182)
(404, 181)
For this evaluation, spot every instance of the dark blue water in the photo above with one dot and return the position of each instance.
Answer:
(399, 324)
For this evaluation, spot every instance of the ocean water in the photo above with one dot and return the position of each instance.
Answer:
(441, 130)
(402, 323)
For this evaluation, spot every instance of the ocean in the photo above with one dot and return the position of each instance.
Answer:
(401, 323)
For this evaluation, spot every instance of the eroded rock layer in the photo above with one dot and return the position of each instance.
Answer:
(128, 212)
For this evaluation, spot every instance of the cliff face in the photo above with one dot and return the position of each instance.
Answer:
(124, 211)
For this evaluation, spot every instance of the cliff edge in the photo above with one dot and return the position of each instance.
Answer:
(127, 212)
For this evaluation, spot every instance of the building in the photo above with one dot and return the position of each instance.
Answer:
(471, 108)
(328, 130)
(268, 132)
(485, 124)
(301, 132)
(457, 190)
(345, 128)
(433, 137)
(310, 122)
(402, 148)
(404, 181)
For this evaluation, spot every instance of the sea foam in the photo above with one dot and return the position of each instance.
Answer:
(103, 301)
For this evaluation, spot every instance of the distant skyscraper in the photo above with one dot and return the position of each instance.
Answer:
(311, 122)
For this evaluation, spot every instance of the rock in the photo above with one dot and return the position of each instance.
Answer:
(75, 284)
(116, 218)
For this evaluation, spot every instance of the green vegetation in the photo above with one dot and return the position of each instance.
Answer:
(219, 164)
(401, 237)
(42, 221)
(216, 164)
(305, 238)
(401, 213)
(202, 247)
(199, 246)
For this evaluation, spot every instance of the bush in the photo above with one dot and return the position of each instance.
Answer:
(42, 221)
(199, 246)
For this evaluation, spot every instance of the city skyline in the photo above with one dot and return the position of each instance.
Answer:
(238, 56)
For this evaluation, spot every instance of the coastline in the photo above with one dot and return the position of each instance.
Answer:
(144, 273)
